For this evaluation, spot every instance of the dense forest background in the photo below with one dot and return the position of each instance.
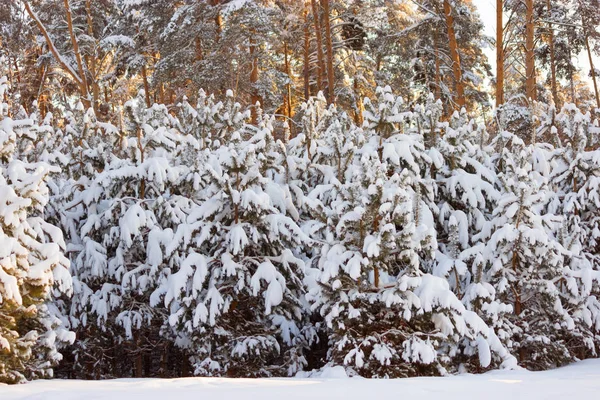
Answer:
(280, 53)
(264, 188)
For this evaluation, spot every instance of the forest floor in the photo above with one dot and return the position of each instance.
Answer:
(580, 381)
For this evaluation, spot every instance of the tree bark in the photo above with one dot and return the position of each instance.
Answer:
(438, 79)
(318, 34)
(146, 85)
(41, 97)
(329, 47)
(552, 59)
(254, 72)
(455, 56)
(589, 51)
(92, 57)
(306, 56)
(138, 365)
(288, 86)
(75, 44)
(529, 52)
(18, 75)
(499, 53)
(218, 20)
(358, 119)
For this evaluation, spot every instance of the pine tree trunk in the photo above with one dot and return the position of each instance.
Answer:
(17, 71)
(185, 368)
(591, 60)
(254, 72)
(146, 85)
(147, 359)
(529, 51)
(306, 56)
(358, 119)
(454, 55)
(552, 60)
(138, 364)
(320, 57)
(438, 79)
(499, 53)
(41, 97)
(288, 86)
(164, 361)
(85, 97)
(142, 192)
(329, 47)
(218, 20)
(92, 58)
(12, 84)
(515, 260)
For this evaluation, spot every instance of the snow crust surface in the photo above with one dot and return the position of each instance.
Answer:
(577, 381)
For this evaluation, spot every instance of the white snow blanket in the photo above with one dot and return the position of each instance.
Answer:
(580, 381)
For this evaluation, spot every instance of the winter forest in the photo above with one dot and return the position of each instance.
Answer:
(267, 188)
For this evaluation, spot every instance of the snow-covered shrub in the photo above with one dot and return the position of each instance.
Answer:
(527, 261)
(386, 314)
(407, 246)
(236, 296)
(32, 266)
(125, 205)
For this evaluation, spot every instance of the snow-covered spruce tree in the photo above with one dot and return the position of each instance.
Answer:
(465, 197)
(527, 261)
(200, 121)
(32, 266)
(321, 153)
(385, 315)
(576, 176)
(305, 150)
(229, 118)
(236, 298)
(130, 209)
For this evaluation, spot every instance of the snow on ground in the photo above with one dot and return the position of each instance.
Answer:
(576, 382)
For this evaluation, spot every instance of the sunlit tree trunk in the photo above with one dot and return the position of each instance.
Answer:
(218, 20)
(288, 86)
(589, 53)
(499, 53)
(553, 84)
(306, 56)
(456, 67)
(438, 78)
(358, 118)
(318, 34)
(91, 59)
(329, 47)
(529, 51)
(591, 60)
(84, 85)
(146, 85)
(254, 73)
(41, 97)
